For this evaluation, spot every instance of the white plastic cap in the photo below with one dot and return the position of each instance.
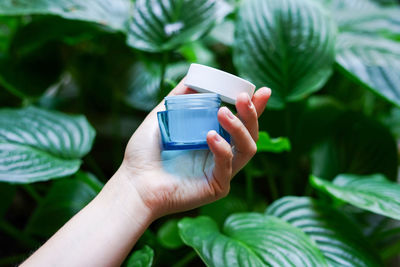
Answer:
(205, 79)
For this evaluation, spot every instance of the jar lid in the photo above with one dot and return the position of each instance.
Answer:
(205, 79)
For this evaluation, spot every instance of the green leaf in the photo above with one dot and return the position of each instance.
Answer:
(168, 234)
(372, 62)
(144, 82)
(38, 145)
(374, 192)
(164, 25)
(250, 239)
(65, 198)
(112, 13)
(287, 45)
(141, 258)
(356, 144)
(338, 238)
(374, 20)
(276, 145)
(222, 208)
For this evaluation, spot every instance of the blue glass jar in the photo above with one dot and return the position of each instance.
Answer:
(187, 120)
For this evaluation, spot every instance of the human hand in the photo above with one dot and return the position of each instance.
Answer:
(173, 181)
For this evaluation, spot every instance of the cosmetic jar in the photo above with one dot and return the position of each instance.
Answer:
(188, 118)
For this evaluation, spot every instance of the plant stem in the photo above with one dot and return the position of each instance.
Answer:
(32, 192)
(273, 188)
(164, 64)
(17, 234)
(186, 259)
(249, 185)
(249, 191)
(287, 185)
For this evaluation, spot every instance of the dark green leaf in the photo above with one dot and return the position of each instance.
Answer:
(168, 234)
(113, 13)
(374, 193)
(276, 145)
(141, 258)
(164, 25)
(66, 197)
(373, 62)
(356, 144)
(222, 208)
(144, 82)
(250, 239)
(37, 145)
(338, 238)
(287, 45)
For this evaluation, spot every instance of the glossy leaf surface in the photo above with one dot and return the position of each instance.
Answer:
(374, 192)
(163, 25)
(141, 258)
(250, 239)
(113, 13)
(286, 45)
(38, 145)
(338, 238)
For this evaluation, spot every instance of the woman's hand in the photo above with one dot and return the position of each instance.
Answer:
(151, 183)
(173, 181)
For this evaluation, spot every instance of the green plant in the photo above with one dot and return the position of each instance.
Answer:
(330, 134)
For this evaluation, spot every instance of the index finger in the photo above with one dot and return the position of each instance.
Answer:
(260, 99)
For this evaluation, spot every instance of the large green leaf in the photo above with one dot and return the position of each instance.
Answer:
(250, 239)
(164, 25)
(141, 258)
(374, 192)
(113, 13)
(338, 238)
(37, 145)
(287, 45)
(355, 144)
(65, 198)
(144, 83)
(371, 61)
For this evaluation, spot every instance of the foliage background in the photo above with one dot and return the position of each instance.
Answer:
(333, 66)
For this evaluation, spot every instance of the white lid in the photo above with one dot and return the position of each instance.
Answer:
(205, 79)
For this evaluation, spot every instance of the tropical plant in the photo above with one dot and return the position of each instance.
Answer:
(321, 191)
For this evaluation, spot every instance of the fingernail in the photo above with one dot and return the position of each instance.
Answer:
(229, 114)
(217, 138)
(249, 103)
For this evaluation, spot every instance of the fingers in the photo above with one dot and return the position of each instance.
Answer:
(248, 114)
(222, 171)
(245, 146)
(260, 99)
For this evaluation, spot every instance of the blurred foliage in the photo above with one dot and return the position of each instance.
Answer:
(334, 70)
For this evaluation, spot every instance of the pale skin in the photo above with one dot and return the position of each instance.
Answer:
(151, 183)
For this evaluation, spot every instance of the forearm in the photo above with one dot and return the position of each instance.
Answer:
(101, 234)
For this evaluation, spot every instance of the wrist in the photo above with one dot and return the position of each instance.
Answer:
(126, 200)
